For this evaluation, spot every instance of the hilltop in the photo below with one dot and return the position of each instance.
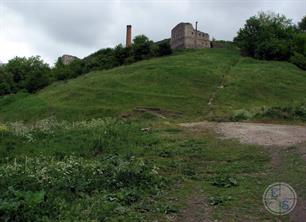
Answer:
(192, 84)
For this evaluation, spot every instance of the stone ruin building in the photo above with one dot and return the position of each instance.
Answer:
(184, 36)
(67, 59)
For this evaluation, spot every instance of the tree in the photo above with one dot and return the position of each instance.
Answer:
(274, 49)
(6, 83)
(164, 48)
(299, 43)
(302, 24)
(266, 36)
(122, 53)
(63, 72)
(299, 60)
(143, 48)
(18, 68)
(30, 74)
(37, 77)
(102, 59)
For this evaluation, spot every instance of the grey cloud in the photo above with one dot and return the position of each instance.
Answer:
(76, 22)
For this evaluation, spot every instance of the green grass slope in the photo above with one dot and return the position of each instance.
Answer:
(180, 86)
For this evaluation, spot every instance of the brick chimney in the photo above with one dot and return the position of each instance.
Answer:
(128, 35)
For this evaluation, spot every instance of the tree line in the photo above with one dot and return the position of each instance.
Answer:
(31, 74)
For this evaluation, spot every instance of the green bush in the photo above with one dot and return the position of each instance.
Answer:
(299, 43)
(63, 72)
(299, 60)
(241, 114)
(164, 49)
(290, 112)
(7, 85)
(273, 49)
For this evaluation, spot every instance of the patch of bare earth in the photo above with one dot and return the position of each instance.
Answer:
(299, 212)
(255, 133)
(196, 210)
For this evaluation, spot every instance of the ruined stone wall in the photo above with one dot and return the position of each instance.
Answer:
(178, 36)
(184, 36)
(67, 59)
(189, 36)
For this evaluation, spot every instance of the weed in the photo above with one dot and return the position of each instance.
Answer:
(218, 200)
(222, 180)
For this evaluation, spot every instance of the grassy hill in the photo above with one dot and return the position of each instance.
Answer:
(109, 169)
(180, 86)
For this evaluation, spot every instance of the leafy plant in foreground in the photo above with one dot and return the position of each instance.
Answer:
(33, 187)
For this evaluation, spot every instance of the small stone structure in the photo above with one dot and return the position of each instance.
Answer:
(67, 59)
(183, 36)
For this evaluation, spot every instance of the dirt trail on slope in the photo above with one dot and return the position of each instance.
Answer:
(222, 82)
(255, 133)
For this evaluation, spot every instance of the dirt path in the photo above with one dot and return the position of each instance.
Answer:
(255, 133)
(196, 210)
(222, 82)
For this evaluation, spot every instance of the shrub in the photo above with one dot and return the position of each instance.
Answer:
(7, 85)
(241, 115)
(5, 88)
(290, 112)
(273, 49)
(63, 72)
(122, 53)
(299, 60)
(164, 49)
(299, 43)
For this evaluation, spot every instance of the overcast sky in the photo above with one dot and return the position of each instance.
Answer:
(79, 27)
